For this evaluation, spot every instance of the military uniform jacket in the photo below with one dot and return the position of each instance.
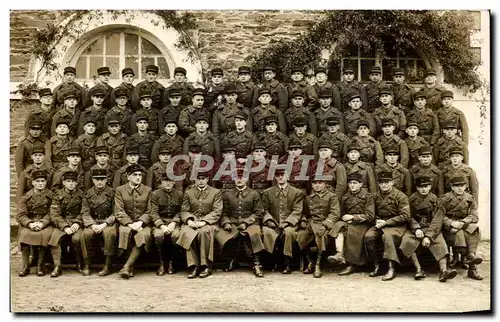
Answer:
(110, 174)
(65, 209)
(120, 177)
(366, 170)
(34, 207)
(71, 118)
(311, 97)
(394, 140)
(295, 180)
(428, 124)
(336, 99)
(414, 148)
(400, 175)
(322, 208)
(403, 96)
(293, 112)
(345, 90)
(153, 178)
(308, 141)
(86, 143)
(258, 179)
(431, 171)
(124, 116)
(452, 113)
(63, 88)
(427, 214)
(187, 119)
(333, 168)
(129, 88)
(361, 205)
(106, 104)
(260, 112)
(133, 204)
(38, 114)
(284, 206)
(248, 94)
(25, 184)
(433, 96)
(465, 172)
(393, 207)
(352, 118)
(174, 142)
(370, 149)
(279, 94)
(97, 207)
(186, 91)
(98, 114)
(242, 142)
(372, 91)
(116, 146)
(214, 97)
(56, 149)
(460, 208)
(243, 206)
(166, 207)
(168, 112)
(393, 113)
(321, 115)
(157, 92)
(24, 150)
(209, 143)
(443, 147)
(339, 143)
(223, 118)
(153, 119)
(276, 143)
(57, 178)
(144, 143)
(202, 205)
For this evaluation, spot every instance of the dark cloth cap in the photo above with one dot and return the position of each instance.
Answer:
(70, 94)
(198, 91)
(97, 90)
(425, 150)
(457, 181)
(269, 68)
(217, 71)
(297, 92)
(44, 92)
(132, 151)
(62, 121)
(386, 176)
(325, 93)
(230, 88)
(99, 173)
(101, 149)
(355, 176)
(297, 68)
(103, 71)
(174, 92)
(270, 118)
(450, 124)
(113, 120)
(90, 120)
(69, 69)
(70, 175)
(300, 121)
(398, 71)
(134, 168)
(388, 121)
(423, 181)
(141, 117)
(145, 93)
(259, 145)
(294, 144)
(38, 149)
(73, 151)
(165, 177)
(385, 90)
(363, 122)
(170, 120)
(244, 69)
(39, 174)
(180, 70)
(279, 172)
(446, 94)
(127, 71)
(391, 149)
(332, 120)
(202, 118)
(376, 70)
(318, 70)
(324, 144)
(241, 115)
(353, 95)
(456, 150)
(152, 68)
(165, 149)
(35, 124)
(195, 148)
(419, 94)
(264, 90)
(120, 91)
(430, 71)
(318, 178)
(227, 147)
(412, 123)
(353, 146)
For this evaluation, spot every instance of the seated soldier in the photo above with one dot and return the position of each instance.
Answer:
(427, 214)
(99, 220)
(67, 220)
(241, 216)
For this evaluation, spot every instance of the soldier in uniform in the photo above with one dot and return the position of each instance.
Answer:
(388, 111)
(95, 112)
(448, 112)
(102, 163)
(154, 175)
(307, 140)
(146, 111)
(337, 139)
(151, 85)
(189, 115)
(295, 180)
(121, 175)
(35, 226)
(125, 88)
(87, 142)
(357, 210)
(241, 217)
(259, 180)
(283, 208)
(299, 84)
(448, 141)
(326, 111)
(457, 169)
(99, 220)
(214, 96)
(204, 138)
(224, 116)
(460, 227)
(67, 220)
(115, 141)
(374, 87)
(278, 92)
(247, 90)
(354, 165)
(103, 74)
(42, 113)
(200, 213)
(403, 93)
(432, 90)
(426, 119)
(132, 209)
(143, 141)
(297, 109)
(74, 164)
(427, 215)
(370, 149)
(347, 86)
(276, 142)
(24, 182)
(392, 216)
(355, 114)
(241, 138)
(170, 138)
(226, 181)
(69, 114)
(58, 145)
(400, 175)
(172, 110)
(265, 109)
(414, 142)
(323, 85)
(25, 148)
(388, 138)
(425, 168)
(68, 85)
(330, 167)
(121, 111)
(181, 84)
(165, 215)
(322, 215)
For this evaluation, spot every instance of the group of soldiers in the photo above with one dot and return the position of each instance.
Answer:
(369, 169)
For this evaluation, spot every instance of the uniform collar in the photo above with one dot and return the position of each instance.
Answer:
(319, 194)
(131, 189)
(285, 189)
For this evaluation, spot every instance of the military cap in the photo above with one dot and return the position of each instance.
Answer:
(202, 118)
(279, 172)
(103, 71)
(318, 70)
(450, 124)
(412, 123)
(391, 149)
(217, 71)
(152, 68)
(324, 144)
(141, 117)
(269, 68)
(270, 118)
(423, 181)
(44, 92)
(385, 176)
(348, 69)
(90, 120)
(376, 70)
(353, 146)
(174, 92)
(425, 150)
(325, 93)
(230, 89)
(99, 173)
(264, 90)
(38, 149)
(70, 94)
(353, 95)
(259, 146)
(195, 148)
(70, 175)
(144, 93)
(228, 147)
(385, 90)
(69, 69)
(430, 71)
(363, 122)
(388, 121)
(35, 124)
(332, 120)
(241, 115)
(113, 120)
(101, 149)
(294, 144)
(419, 94)
(446, 94)
(300, 121)
(127, 71)
(355, 176)
(398, 71)
(133, 168)
(203, 175)
(297, 92)
(165, 149)
(198, 91)
(180, 70)
(296, 68)
(98, 90)
(166, 177)
(457, 181)
(171, 120)
(73, 151)
(62, 121)
(39, 174)
(244, 70)
(120, 91)
(132, 151)
(456, 150)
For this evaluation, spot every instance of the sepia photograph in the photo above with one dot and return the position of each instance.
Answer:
(250, 161)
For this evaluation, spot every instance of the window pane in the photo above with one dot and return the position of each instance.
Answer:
(388, 66)
(95, 63)
(81, 67)
(133, 62)
(113, 44)
(366, 66)
(114, 66)
(147, 61)
(476, 19)
(148, 48)
(96, 48)
(351, 63)
(131, 44)
(163, 66)
(352, 51)
(334, 71)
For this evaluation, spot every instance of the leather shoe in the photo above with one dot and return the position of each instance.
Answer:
(40, 271)
(390, 275)
(375, 272)
(447, 275)
(195, 273)
(420, 274)
(474, 274)
(472, 259)
(257, 270)
(79, 267)
(131, 272)
(56, 272)
(24, 271)
(338, 258)
(309, 269)
(232, 266)
(105, 271)
(124, 273)
(317, 272)
(287, 270)
(86, 270)
(171, 269)
(206, 272)
(347, 271)
(161, 270)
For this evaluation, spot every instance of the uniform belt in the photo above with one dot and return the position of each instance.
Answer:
(260, 185)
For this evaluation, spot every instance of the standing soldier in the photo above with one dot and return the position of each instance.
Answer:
(189, 115)
(154, 175)
(42, 113)
(26, 177)
(276, 142)
(400, 175)
(432, 90)
(347, 86)
(338, 140)
(115, 141)
(170, 138)
(181, 84)
(120, 111)
(126, 88)
(326, 111)
(74, 159)
(425, 168)
(151, 85)
(69, 114)
(95, 112)
(283, 206)
(448, 112)
(392, 216)
(307, 140)
(300, 84)
(103, 74)
(297, 109)
(426, 119)
(226, 181)
(373, 88)
(414, 142)
(58, 145)
(403, 93)
(427, 215)
(224, 116)
(121, 176)
(172, 110)
(259, 180)
(68, 85)
(327, 165)
(295, 180)
(388, 111)
(355, 114)
(279, 94)
(87, 142)
(457, 169)
(322, 84)
(24, 149)
(370, 149)
(99, 221)
(448, 141)
(143, 141)
(200, 213)
(102, 163)
(146, 111)
(365, 170)
(241, 138)
(247, 90)
(265, 109)
(215, 91)
(204, 138)
(388, 138)
(34, 220)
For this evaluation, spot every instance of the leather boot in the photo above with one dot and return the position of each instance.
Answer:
(445, 273)
(25, 269)
(161, 268)
(287, 269)
(195, 273)
(56, 256)
(309, 265)
(376, 269)
(347, 271)
(86, 267)
(127, 270)
(317, 268)
(79, 264)
(32, 256)
(231, 266)
(40, 269)
(206, 272)
(391, 272)
(257, 269)
(473, 273)
(454, 262)
(338, 258)
(462, 262)
(106, 270)
(473, 259)
(56, 271)
(171, 268)
(419, 274)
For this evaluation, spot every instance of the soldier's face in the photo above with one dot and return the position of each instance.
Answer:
(102, 158)
(241, 181)
(97, 99)
(69, 184)
(217, 79)
(280, 178)
(391, 158)
(386, 185)
(269, 75)
(62, 129)
(228, 155)
(295, 152)
(325, 101)
(39, 183)
(353, 155)
(385, 99)
(300, 130)
(412, 131)
(179, 77)
(348, 77)
(333, 128)
(430, 79)
(37, 158)
(201, 126)
(259, 154)
(424, 190)
(142, 125)
(458, 189)
(298, 101)
(74, 159)
(69, 77)
(425, 159)
(231, 98)
(99, 183)
(201, 182)
(325, 153)
(70, 102)
(244, 77)
(420, 102)
(171, 129)
(135, 178)
(355, 103)
(321, 77)
(363, 130)
(175, 100)
(167, 184)
(354, 185)
(198, 101)
(265, 98)
(114, 128)
(318, 186)
(46, 99)
(240, 123)
(450, 132)
(297, 76)
(271, 127)
(35, 132)
(164, 157)
(447, 101)
(388, 129)
(151, 76)
(104, 78)
(132, 158)
(121, 100)
(146, 102)
(398, 79)
(375, 77)
(128, 79)
(89, 128)
(456, 159)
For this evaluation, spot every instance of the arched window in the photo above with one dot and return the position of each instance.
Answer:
(118, 49)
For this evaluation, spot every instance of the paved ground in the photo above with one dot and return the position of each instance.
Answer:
(240, 291)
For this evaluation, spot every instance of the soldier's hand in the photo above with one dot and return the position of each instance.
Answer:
(419, 234)
(270, 224)
(426, 242)
(321, 231)
(101, 227)
(347, 217)
(303, 224)
(242, 226)
(95, 228)
(200, 223)
(456, 224)
(38, 226)
(164, 228)
(227, 227)
(68, 231)
(171, 227)
(192, 224)
(75, 227)
(379, 224)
